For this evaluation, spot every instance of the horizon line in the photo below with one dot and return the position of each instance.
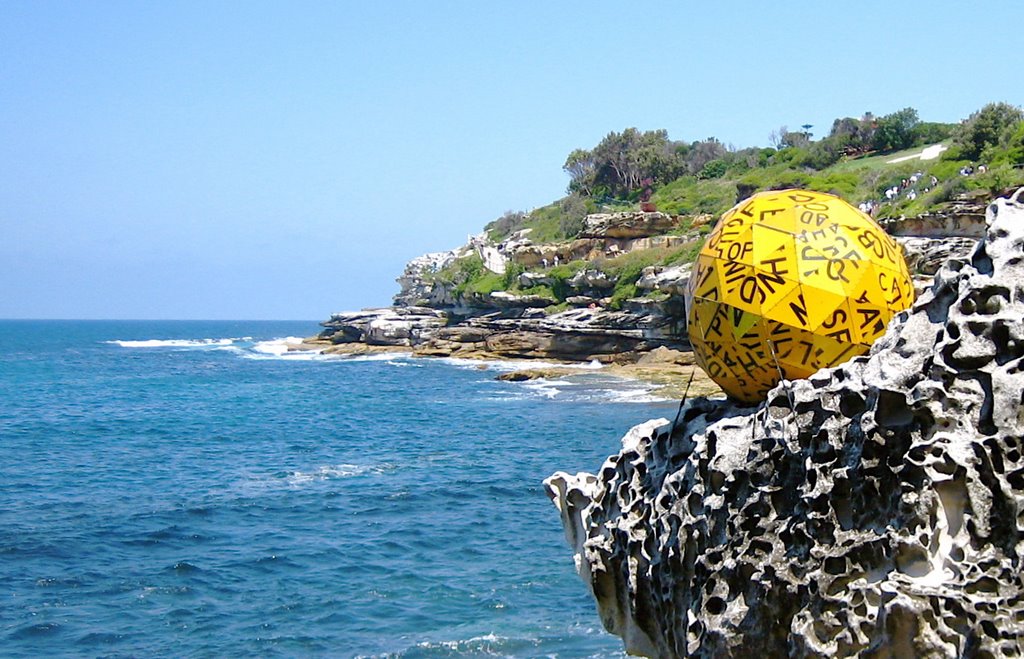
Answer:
(168, 320)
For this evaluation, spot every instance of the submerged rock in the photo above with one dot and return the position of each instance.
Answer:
(875, 509)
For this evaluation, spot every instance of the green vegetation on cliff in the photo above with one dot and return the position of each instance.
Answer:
(871, 161)
(854, 161)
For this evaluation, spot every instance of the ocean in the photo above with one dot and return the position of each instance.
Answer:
(192, 489)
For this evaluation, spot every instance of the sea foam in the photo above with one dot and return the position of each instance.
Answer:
(179, 343)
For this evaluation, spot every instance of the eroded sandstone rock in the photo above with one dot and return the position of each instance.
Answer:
(669, 279)
(925, 256)
(590, 279)
(632, 224)
(963, 216)
(874, 509)
(392, 326)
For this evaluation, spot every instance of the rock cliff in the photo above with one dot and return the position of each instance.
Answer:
(963, 216)
(874, 509)
(637, 224)
(434, 316)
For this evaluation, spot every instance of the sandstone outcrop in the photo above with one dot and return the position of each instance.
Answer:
(874, 509)
(505, 300)
(547, 254)
(574, 335)
(418, 287)
(963, 217)
(436, 314)
(592, 280)
(637, 224)
(671, 280)
(925, 256)
(393, 326)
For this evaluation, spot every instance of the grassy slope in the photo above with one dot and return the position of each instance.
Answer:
(855, 180)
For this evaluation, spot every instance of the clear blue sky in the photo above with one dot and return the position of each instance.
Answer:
(280, 160)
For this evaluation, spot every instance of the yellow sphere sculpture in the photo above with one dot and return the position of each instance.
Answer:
(789, 282)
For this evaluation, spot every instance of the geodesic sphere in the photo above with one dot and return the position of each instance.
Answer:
(789, 282)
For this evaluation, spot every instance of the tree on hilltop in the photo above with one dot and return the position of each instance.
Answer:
(853, 136)
(700, 154)
(896, 131)
(991, 126)
(621, 163)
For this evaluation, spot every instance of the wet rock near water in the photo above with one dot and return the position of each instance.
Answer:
(874, 509)
(582, 335)
(392, 326)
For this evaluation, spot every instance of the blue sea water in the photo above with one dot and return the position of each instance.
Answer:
(189, 489)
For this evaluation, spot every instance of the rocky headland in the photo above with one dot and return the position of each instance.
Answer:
(874, 509)
(642, 336)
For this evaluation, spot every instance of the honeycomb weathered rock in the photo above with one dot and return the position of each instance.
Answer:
(874, 509)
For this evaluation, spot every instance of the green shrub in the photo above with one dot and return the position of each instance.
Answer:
(460, 270)
(561, 274)
(510, 279)
(677, 196)
(990, 126)
(684, 254)
(953, 153)
(713, 169)
(715, 197)
(896, 131)
(947, 169)
(790, 155)
(789, 179)
(998, 178)
(540, 289)
(948, 189)
(508, 223)
(1010, 153)
(621, 294)
(930, 132)
(837, 183)
(485, 284)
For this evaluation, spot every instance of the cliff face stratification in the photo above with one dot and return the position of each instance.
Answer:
(875, 509)
(431, 318)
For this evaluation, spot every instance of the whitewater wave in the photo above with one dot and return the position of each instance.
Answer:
(333, 472)
(589, 385)
(545, 388)
(644, 395)
(277, 346)
(512, 365)
(284, 348)
(486, 645)
(584, 387)
(179, 343)
(258, 484)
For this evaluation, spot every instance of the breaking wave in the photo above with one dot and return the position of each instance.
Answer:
(582, 382)
(179, 343)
